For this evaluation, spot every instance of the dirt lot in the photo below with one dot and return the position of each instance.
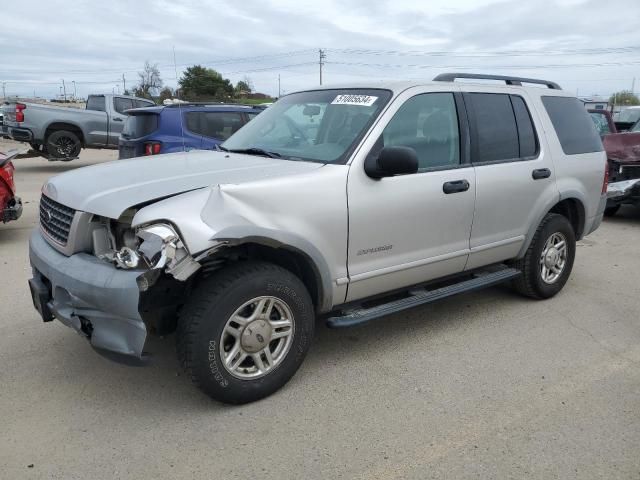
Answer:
(488, 385)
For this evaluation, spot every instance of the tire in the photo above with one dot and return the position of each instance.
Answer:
(611, 211)
(531, 283)
(203, 339)
(34, 146)
(63, 144)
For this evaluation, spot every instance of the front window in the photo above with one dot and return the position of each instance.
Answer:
(628, 115)
(321, 126)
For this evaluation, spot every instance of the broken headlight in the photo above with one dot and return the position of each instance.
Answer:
(159, 248)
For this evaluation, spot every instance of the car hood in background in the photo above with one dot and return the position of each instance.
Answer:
(111, 188)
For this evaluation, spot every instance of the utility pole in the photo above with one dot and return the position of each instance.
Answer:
(321, 62)
(74, 89)
(279, 92)
(4, 90)
(64, 90)
(633, 85)
(124, 84)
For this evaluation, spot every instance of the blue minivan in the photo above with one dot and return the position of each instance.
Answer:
(181, 127)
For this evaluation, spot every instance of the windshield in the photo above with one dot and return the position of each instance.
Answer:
(321, 126)
(630, 115)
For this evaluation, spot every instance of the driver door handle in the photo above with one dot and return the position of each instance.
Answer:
(117, 119)
(455, 186)
(541, 173)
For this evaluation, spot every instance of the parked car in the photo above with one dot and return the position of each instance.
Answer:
(626, 118)
(59, 133)
(377, 199)
(623, 154)
(10, 204)
(181, 127)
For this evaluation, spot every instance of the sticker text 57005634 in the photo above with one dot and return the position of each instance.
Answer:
(362, 100)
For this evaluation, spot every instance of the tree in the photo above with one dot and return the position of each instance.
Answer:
(150, 81)
(165, 93)
(199, 82)
(624, 97)
(242, 89)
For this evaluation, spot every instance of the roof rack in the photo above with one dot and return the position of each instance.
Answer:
(207, 104)
(450, 77)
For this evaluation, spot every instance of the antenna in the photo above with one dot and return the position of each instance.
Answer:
(175, 69)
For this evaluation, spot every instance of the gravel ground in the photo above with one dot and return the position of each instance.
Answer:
(485, 385)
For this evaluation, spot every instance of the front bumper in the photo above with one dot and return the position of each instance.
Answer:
(20, 134)
(89, 295)
(625, 191)
(13, 211)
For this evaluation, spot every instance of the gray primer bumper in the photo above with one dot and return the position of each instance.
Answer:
(84, 286)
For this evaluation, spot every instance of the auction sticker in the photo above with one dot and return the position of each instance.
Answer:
(362, 100)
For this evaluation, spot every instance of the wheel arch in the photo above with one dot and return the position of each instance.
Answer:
(571, 208)
(288, 251)
(71, 127)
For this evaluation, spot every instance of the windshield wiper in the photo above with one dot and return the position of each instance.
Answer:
(253, 151)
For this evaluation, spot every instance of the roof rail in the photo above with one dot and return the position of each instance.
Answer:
(207, 104)
(450, 77)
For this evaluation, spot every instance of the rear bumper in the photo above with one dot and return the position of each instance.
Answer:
(20, 134)
(13, 211)
(89, 295)
(594, 222)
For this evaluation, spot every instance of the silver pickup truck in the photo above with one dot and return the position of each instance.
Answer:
(59, 133)
(344, 203)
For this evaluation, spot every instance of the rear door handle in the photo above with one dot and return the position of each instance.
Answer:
(455, 186)
(541, 173)
(117, 119)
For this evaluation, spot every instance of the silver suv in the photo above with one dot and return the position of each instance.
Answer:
(344, 203)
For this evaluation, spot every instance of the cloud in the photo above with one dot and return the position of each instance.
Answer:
(94, 44)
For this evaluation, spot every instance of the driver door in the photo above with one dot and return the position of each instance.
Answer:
(408, 229)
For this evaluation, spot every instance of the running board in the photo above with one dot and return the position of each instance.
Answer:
(363, 315)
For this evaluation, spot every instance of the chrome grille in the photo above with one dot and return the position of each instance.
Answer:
(55, 220)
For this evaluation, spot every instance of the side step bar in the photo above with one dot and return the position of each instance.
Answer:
(363, 315)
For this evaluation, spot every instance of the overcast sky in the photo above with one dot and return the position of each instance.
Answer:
(592, 46)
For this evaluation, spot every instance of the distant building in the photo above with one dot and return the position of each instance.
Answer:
(595, 103)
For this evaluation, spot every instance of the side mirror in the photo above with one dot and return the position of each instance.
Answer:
(392, 161)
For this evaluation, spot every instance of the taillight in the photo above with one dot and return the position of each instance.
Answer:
(20, 108)
(152, 148)
(605, 182)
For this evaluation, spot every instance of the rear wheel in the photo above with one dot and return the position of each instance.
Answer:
(245, 331)
(63, 144)
(548, 262)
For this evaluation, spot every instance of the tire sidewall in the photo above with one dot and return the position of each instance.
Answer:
(52, 149)
(207, 354)
(556, 224)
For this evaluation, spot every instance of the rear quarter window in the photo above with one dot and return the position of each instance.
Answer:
(140, 125)
(575, 129)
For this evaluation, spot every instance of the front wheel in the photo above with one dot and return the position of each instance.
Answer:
(548, 262)
(245, 331)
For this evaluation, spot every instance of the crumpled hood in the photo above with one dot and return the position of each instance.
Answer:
(111, 188)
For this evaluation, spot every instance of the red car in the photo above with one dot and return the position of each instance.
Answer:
(10, 205)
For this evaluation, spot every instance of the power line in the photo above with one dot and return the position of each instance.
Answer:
(486, 67)
(496, 53)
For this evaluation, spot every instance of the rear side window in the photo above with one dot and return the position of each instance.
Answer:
(142, 103)
(96, 102)
(496, 132)
(121, 104)
(526, 133)
(140, 125)
(218, 125)
(574, 127)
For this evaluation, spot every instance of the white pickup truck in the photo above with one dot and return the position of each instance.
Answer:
(59, 133)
